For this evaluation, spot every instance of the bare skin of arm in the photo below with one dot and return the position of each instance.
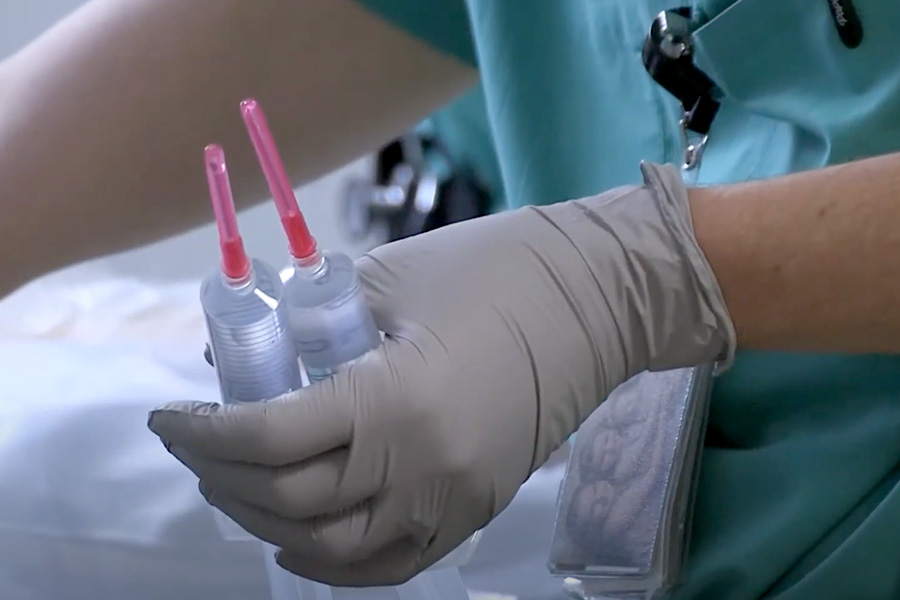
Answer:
(104, 118)
(809, 262)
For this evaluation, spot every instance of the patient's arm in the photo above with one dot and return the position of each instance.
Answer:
(810, 261)
(103, 119)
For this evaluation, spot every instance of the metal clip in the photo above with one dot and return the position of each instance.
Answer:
(694, 144)
(366, 203)
(668, 58)
(693, 141)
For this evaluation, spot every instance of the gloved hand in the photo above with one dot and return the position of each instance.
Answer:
(503, 334)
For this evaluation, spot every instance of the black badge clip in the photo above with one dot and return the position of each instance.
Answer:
(668, 58)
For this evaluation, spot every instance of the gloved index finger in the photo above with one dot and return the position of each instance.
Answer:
(287, 430)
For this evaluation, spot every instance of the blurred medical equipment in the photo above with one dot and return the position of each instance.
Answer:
(415, 187)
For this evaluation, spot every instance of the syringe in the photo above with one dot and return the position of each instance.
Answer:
(252, 349)
(331, 322)
(332, 326)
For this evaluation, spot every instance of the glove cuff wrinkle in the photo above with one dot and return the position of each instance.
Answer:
(715, 329)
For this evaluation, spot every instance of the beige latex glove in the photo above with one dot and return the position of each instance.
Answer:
(503, 334)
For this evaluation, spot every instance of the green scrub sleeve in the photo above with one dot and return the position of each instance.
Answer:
(443, 24)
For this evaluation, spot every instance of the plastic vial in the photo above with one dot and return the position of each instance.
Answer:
(252, 349)
(330, 319)
(251, 343)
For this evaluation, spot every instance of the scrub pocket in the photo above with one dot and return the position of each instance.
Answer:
(784, 61)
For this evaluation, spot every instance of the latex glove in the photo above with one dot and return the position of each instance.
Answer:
(503, 334)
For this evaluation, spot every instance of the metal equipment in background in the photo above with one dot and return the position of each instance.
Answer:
(415, 187)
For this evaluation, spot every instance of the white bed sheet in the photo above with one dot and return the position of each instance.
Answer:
(92, 507)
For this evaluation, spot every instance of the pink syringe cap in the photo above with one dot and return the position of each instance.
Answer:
(301, 242)
(235, 264)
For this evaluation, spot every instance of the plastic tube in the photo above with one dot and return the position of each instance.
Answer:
(235, 263)
(302, 244)
(252, 349)
(331, 321)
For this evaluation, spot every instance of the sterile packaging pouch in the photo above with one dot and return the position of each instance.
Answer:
(623, 521)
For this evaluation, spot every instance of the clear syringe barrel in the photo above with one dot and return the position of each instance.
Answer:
(331, 322)
(252, 349)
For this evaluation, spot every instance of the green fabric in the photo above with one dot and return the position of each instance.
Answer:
(465, 133)
(799, 496)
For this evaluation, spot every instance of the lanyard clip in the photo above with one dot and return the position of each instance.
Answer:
(668, 58)
(693, 141)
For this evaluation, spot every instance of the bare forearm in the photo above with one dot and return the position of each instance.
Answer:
(105, 117)
(809, 262)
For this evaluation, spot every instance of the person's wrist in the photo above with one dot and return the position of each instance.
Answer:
(660, 295)
(690, 322)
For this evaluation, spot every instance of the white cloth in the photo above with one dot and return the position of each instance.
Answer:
(106, 514)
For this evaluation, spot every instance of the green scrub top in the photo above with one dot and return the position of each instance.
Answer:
(799, 496)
